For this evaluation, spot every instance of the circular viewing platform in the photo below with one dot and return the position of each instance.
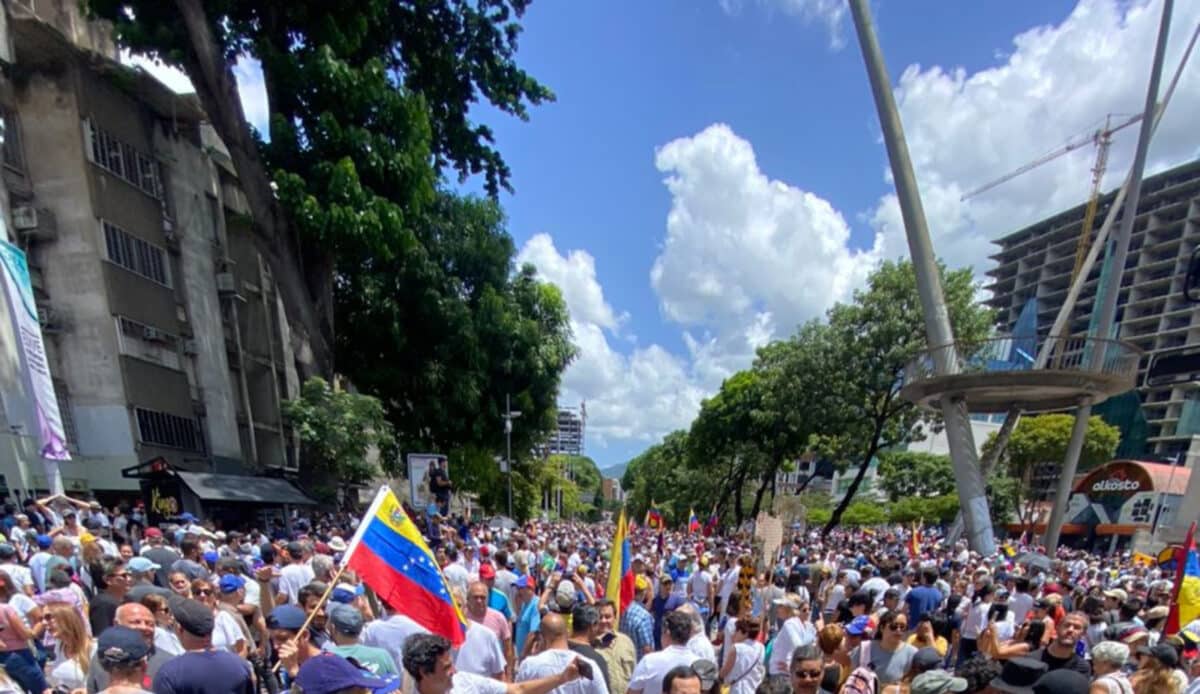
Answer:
(997, 374)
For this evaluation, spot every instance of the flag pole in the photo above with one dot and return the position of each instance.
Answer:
(333, 582)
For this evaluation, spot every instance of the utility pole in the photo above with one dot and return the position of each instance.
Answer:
(1108, 301)
(971, 492)
(508, 416)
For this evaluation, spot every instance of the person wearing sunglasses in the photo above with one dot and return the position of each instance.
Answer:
(112, 578)
(889, 656)
(226, 634)
(807, 668)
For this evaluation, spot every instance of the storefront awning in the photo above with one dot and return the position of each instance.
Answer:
(1039, 528)
(1119, 528)
(263, 490)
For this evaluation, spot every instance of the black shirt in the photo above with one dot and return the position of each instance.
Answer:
(594, 655)
(439, 484)
(165, 558)
(103, 611)
(1072, 662)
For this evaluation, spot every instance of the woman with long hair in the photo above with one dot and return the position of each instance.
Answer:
(1156, 674)
(165, 638)
(73, 647)
(16, 658)
(226, 635)
(890, 656)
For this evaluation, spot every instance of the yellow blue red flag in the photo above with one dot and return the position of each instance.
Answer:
(389, 555)
(1185, 605)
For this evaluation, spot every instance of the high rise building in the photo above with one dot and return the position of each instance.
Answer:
(568, 435)
(1036, 263)
(164, 332)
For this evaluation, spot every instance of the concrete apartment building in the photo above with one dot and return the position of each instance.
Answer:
(568, 435)
(163, 329)
(1152, 313)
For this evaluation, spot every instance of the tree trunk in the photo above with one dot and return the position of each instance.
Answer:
(216, 87)
(872, 449)
(762, 489)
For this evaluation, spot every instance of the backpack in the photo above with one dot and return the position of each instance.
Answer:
(862, 679)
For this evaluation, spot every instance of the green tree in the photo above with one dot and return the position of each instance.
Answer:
(369, 101)
(871, 340)
(345, 437)
(910, 473)
(929, 509)
(1035, 452)
(864, 513)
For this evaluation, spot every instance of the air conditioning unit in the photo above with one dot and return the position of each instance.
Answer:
(171, 238)
(25, 217)
(226, 284)
(34, 224)
(190, 347)
(51, 319)
(151, 334)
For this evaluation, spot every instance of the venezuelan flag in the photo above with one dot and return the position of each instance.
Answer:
(654, 519)
(391, 557)
(620, 572)
(914, 542)
(693, 521)
(1185, 606)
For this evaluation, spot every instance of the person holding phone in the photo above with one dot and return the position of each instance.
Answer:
(555, 656)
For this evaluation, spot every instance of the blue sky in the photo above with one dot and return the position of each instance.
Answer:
(711, 173)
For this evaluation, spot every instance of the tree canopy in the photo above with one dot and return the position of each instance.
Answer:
(386, 276)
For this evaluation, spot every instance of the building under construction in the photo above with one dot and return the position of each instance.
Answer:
(1036, 265)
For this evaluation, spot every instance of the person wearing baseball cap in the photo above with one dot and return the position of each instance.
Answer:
(122, 652)
(497, 599)
(528, 615)
(220, 670)
(937, 682)
(333, 674)
(345, 625)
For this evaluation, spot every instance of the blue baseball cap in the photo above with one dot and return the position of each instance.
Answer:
(44, 541)
(523, 582)
(286, 617)
(142, 565)
(211, 557)
(230, 583)
(329, 673)
(345, 593)
(187, 517)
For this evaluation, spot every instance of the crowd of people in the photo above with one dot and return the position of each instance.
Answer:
(99, 600)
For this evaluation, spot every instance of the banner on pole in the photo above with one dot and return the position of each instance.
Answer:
(35, 368)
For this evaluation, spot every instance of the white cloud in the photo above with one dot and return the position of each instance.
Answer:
(247, 71)
(746, 258)
(1056, 84)
(637, 396)
(831, 13)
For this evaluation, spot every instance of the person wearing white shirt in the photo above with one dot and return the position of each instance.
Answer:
(21, 576)
(743, 668)
(296, 574)
(427, 660)
(648, 674)
(481, 653)
(555, 656)
(456, 574)
(390, 634)
(698, 642)
(700, 588)
(795, 630)
(975, 621)
(1021, 603)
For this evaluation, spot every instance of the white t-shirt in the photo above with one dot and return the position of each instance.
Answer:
(648, 674)
(481, 653)
(553, 661)
(292, 578)
(457, 576)
(389, 634)
(703, 648)
(226, 633)
(1019, 606)
(466, 683)
(794, 633)
(700, 584)
(976, 620)
(748, 670)
(21, 575)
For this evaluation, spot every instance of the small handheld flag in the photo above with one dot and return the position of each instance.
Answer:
(693, 521)
(389, 555)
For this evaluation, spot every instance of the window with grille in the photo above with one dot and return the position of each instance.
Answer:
(172, 431)
(64, 411)
(125, 162)
(136, 255)
(13, 156)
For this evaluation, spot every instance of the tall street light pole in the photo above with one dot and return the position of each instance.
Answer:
(508, 416)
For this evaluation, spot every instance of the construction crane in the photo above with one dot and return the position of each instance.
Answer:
(1102, 139)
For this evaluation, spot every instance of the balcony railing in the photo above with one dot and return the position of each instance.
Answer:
(1086, 355)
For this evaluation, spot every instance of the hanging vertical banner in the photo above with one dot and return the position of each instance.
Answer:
(14, 272)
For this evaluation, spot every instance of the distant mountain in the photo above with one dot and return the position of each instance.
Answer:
(613, 472)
